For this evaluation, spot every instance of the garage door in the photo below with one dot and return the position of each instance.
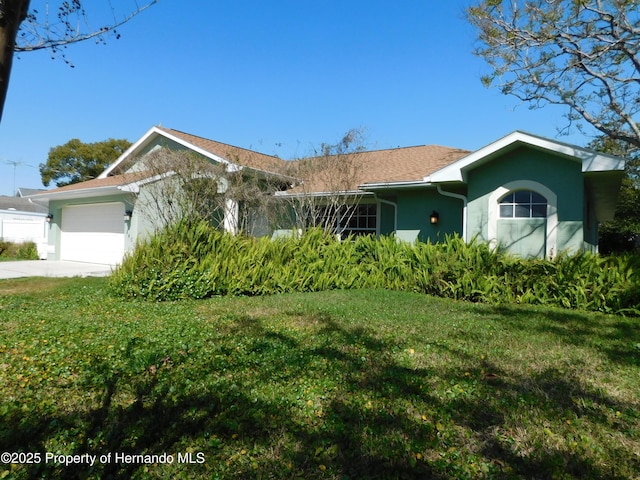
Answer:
(93, 233)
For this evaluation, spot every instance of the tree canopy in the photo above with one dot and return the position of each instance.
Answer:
(583, 54)
(76, 161)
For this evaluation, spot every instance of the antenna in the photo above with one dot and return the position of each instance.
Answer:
(16, 164)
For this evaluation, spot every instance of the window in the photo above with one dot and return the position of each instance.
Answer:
(360, 220)
(349, 219)
(523, 204)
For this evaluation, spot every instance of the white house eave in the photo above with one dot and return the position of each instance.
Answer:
(129, 151)
(591, 161)
(151, 133)
(395, 185)
(134, 187)
(147, 137)
(82, 193)
(346, 193)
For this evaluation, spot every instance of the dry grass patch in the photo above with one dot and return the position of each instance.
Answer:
(28, 286)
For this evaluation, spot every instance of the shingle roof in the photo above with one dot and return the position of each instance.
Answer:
(21, 204)
(237, 155)
(391, 165)
(409, 163)
(112, 181)
(25, 192)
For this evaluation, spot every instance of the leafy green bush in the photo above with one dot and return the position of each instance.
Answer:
(19, 251)
(197, 261)
(4, 245)
(27, 251)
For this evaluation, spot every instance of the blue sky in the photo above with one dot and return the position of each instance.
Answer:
(279, 77)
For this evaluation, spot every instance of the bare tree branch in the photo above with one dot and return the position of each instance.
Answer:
(580, 54)
(70, 25)
(327, 195)
(53, 27)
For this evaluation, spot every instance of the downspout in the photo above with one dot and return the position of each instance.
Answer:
(464, 208)
(395, 211)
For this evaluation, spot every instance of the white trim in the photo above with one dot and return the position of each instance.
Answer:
(552, 212)
(464, 207)
(395, 185)
(147, 137)
(128, 152)
(341, 193)
(395, 212)
(591, 161)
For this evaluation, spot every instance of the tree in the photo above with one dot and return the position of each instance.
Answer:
(623, 232)
(582, 54)
(76, 161)
(183, 186)
(52, 27)
(326, 194)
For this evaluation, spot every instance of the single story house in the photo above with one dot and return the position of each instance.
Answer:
(531, 195)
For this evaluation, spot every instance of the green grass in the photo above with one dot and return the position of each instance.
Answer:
(339, 384)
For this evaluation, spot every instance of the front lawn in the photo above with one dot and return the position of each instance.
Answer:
(339, 384)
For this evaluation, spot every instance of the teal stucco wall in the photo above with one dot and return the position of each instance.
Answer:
(415, 208)
(562, 176)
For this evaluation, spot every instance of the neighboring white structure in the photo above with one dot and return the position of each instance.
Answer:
(23, 221)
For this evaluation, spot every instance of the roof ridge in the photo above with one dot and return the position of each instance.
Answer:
(432, 145)
(168, 130)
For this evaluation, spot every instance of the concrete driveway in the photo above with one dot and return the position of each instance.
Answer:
(52, 268)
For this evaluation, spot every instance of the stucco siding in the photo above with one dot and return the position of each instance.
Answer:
(154, 145)
(415, 208)
(387, 217)
(556, 176)
(570, 237)
(523, 237)
(590, 226)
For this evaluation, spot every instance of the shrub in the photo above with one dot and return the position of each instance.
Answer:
(20, 251)
(197, 261)
(4, 245)
(27, 251)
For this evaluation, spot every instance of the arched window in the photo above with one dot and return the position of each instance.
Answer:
(523, 204)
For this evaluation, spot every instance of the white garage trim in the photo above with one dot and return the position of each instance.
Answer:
(93, 233)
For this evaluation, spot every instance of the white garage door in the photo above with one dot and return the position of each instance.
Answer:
(93, 233)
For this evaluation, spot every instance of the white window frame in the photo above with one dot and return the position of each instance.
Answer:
(517, 205)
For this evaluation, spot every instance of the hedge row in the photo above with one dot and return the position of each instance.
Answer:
(197, 261)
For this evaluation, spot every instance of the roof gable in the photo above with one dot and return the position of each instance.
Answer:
(591, 161)
(216, 151)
